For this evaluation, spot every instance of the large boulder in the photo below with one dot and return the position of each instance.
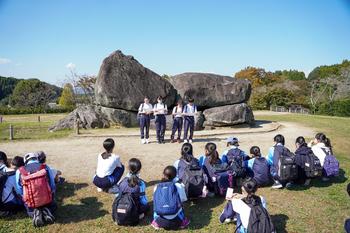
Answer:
(211, 90)
(198, 118)
(123, 83)
(228, 115)
(120, 117)
(89, 116)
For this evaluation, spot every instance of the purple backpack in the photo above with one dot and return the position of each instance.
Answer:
(330, 165)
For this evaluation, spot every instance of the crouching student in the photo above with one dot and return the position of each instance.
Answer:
(249, 208)
(11, 202)
(35, 183)
(131, 197)
(167, 203)
(258, 167)
(57, 173)
(109, 169)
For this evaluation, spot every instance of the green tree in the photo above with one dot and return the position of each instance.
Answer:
(67, 99)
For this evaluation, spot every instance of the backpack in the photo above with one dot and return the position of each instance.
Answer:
(312, 166)
(259, 219)
(36, 187)
(287, 167)
(3, 179)
(125, 208)
(139, 115)
(166, 199)
(331, 164)
(192, 178)
(261, 171)
(235, 160)
(224, 178)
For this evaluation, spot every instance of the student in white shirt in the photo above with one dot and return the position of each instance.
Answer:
(109, 168)
(177, 122)
(160, 109)
(189, 111)
(144, 113)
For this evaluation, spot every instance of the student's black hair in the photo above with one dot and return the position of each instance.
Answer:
(134, 168)
(190, 100)
(41, 156)
(255, 150)
(160, 97)
(301, 141)
(250, 186)
(17, 161)
(169, 173)
(212, 153)
(3, 159)
(108, 144)
(187, 152)
(279, 138)
(321, 137)
(348, 189)
(146, 97)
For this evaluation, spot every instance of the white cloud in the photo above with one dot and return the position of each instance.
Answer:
(4, 61)
(71, 66)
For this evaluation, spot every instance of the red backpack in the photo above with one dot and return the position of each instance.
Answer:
(36, 188)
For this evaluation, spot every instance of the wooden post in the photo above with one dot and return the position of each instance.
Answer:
(0, 119)
(11, 132)
(38, 118)
(77, 127)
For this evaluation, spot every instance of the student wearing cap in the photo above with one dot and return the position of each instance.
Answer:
(144, 114)
(190, 110)
(160, 109)
(233, 144)
(44, 214)
(178, 121)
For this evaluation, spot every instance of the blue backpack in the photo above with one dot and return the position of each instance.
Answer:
(166, 200)
(330, 165)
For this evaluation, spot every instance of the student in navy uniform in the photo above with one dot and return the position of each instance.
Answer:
(145, 111)
(160, 110)
(178, 122)
(258, 167)
(233, 143)
(300, 153)
(190, 110)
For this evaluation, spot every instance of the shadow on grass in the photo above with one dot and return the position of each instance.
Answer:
(280, 222)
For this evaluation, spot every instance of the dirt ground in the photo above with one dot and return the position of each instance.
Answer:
(76, 157)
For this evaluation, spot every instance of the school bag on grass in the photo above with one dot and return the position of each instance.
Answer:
(312, 166)
(288, 169)
(259, 219)
(192, 178)
(166, 199)
(36, 187)
(125, 208)
(331, 164)
(3, 179)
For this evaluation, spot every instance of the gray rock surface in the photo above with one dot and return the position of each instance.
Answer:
(120, 117)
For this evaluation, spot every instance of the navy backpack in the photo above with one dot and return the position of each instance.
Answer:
(166, 199)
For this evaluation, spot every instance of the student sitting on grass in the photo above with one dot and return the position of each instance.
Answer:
(10, 202)
(17, 162)
(109, 168)
(57, 174)
(4, 164)
(35, 183)
(234, 150)
(131, 195)
(167, 202)
(258, 167)
(249, 208)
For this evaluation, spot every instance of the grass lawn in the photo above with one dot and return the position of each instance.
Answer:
(321, 208)
(27, 126)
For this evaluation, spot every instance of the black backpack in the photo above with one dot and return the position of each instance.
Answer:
(3, 179)
(312, 166)
(259, 219)
(125, 209)
(193, 179)
(235, 160)
(288, 169)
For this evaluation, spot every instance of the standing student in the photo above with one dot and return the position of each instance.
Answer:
(167, 202)
(258, 167)
(160, 109)
(109, 168)
(177, 121)
(190, 110)
(144, 114)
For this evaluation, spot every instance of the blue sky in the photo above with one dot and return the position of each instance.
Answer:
(38, 39)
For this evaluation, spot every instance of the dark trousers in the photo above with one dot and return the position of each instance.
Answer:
(189, 125)
(160, 127)
(169, 224)
(177, 126)
(108, 181)
(52, 207)
(144, 126)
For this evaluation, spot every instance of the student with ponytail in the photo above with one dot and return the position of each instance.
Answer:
(186, 158)
(302, 150)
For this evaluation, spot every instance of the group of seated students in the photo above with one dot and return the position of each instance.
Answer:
(234, 174)
(27, 183)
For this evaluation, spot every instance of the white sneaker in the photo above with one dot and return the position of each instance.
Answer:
(99, 190)
(147, 141)
(185, 141)
(277, 185)
(190, 141)
(143, 141)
